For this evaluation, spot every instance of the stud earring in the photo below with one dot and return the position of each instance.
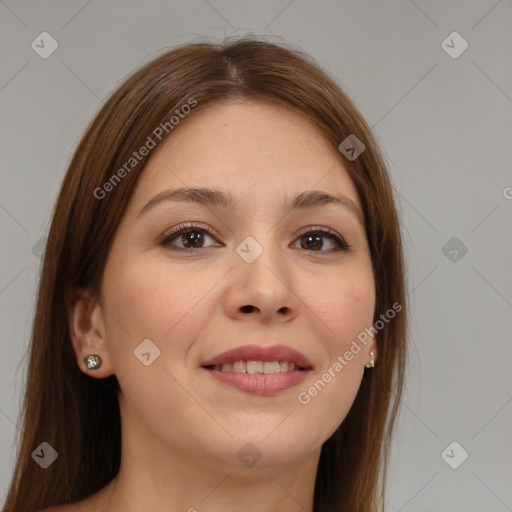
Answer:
(92, 362)
(371, 364)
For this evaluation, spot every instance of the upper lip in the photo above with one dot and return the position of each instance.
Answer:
(260, 353)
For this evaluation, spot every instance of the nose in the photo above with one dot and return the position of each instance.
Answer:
(263, 289)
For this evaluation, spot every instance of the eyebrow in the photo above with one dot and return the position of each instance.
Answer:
(212, 197)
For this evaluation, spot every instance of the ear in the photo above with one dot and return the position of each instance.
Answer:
(87, 331)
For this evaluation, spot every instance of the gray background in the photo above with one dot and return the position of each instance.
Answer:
(445, 127)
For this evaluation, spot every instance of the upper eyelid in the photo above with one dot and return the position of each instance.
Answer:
(193, 225)
(324, 229)
(197, 225)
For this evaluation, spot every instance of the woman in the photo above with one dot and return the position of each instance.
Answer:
(220, 321)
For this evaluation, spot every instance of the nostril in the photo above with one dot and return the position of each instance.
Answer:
(247, 309)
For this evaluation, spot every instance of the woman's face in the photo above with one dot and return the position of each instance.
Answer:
(256, 272)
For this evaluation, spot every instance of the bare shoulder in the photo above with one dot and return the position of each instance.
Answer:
(72, 507)
(93, 503)
(57, 508)
(64, 508)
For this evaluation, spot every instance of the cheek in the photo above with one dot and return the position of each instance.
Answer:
(154, 302)
(351, 316)
(344, 307)
(343, 312)
(355, 311)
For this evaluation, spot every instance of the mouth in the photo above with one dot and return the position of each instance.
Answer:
(254, 359)
(257, 367)
(260, 370)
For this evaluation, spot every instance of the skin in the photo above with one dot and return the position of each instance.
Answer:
(181, 427)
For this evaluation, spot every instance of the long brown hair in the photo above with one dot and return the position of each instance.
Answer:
(70, 410)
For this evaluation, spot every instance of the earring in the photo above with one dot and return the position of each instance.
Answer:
(92, 362)
(371, 364)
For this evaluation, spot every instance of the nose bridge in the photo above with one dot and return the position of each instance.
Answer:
(261, 251)
(264, 276)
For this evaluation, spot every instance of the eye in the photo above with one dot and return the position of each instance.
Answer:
(191, 236)
(312, 240)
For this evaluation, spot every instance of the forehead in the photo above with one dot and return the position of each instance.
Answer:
(258, 149)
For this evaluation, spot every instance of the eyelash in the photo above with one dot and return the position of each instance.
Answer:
(341, 244)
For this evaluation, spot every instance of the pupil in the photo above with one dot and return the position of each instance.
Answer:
(315, 240)
(190, 238)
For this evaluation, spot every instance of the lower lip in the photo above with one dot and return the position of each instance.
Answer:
(259, 383)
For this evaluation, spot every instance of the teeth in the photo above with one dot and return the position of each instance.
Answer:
(255, 367)
(270, 367)
(240, 366)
